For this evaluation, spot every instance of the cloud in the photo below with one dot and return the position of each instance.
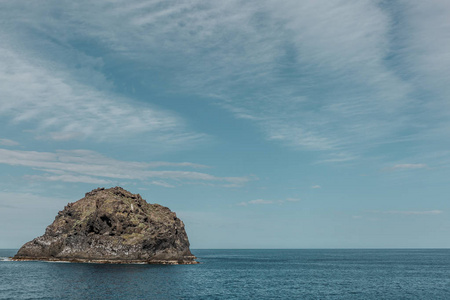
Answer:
(341, 77)
(262, 201)
(409, 212)
(7, 206)
(424, 44)
(293, 199)
(157, 164)
(424, 40)
(255, 202)
(162, 183)
(7, 142)
(263, 39)
(335, 55)
(68, 178)
(338, 157)
(412, 213)
(31, 200)
(92, 167)
(408, 167)
(316, 186)
(50, 100)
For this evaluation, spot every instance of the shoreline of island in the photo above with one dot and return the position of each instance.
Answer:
(107, 261)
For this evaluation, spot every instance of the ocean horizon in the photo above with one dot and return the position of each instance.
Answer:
(241, 274)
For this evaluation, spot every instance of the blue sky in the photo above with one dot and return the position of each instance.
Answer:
(263, 124)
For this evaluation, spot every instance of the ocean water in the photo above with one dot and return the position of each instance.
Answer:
(240, 274)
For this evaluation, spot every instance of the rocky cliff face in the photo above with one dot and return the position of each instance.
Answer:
(112, 226)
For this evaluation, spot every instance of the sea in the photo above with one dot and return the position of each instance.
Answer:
(240, 274)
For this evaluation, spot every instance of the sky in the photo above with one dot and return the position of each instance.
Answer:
(262, 124)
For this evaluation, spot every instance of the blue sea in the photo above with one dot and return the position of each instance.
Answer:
(240, 274)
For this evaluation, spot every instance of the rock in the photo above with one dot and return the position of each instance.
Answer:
(112, 226)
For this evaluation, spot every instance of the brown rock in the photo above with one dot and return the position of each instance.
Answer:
(112, 226)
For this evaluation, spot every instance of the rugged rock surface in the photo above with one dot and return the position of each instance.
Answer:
(112, 226)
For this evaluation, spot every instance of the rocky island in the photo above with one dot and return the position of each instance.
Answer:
(112, 226)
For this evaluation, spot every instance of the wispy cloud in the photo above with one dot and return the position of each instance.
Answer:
(411, 212)
(162, 183)
(7, 142)
(424, 39)
(408, 167)
(255, 202)
(316, 186)
(55, 104)
(262, 201)
(301, 71)
(18, 200)
(342, 77)
(92, 167)
(421, 212)
(293, 199)
(68, 178)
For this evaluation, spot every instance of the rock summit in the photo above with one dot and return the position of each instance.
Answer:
(112, 226)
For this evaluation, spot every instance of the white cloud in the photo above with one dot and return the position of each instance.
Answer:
(293, 199)
(157, 164)
(255, 202)
(7, 142)
(316, 186)
(337, 76)
(21, 200)
(92, 167)
(425, 42)
(162, 183)
(68, 178)
(338, 157)
(409, 212)
(338, 44)
(339, 47)
(50, 99)
(408, 166)
(262, 201)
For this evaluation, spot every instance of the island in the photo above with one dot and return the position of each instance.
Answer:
(112, 226)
